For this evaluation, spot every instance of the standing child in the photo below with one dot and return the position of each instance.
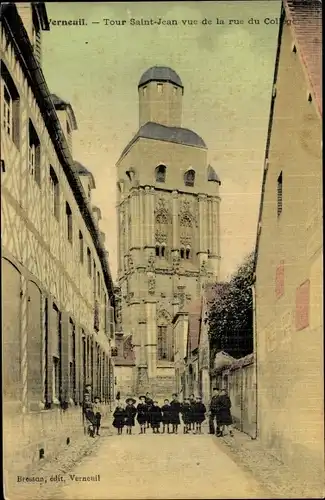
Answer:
(88, 415)
(142, 414)
(186, 415)
(98, 411)
(175, 410)
(149, 403)
(130, 413)
(119, 418)
(225, 417)
(192, 412)
(199, 414)
(155, 417)
(165, 411)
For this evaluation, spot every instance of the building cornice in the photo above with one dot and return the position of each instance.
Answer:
(24, 52)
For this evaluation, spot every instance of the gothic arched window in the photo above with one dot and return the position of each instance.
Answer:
(186, 235)
(165, 344)
(162, 342)
(189, 177)
(162, 228)
(161, 173)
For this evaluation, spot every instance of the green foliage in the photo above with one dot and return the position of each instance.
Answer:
(230, 316)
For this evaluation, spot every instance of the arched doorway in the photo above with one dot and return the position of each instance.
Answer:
(11, 332)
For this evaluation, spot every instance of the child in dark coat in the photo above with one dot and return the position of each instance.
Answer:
(192, 413)
(165, 415)
(199, 414)
(225, 417)
(155, 417)
(130, 413)
(149, 403)
(142, 414)
(186, 415)
(119, 418)
(175, 410)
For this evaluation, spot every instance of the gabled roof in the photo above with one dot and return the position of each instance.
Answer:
(160, 74)
(60, 104)
(159, 132)
(306, 25)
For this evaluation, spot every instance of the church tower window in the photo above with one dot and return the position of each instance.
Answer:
(165, 342)
(161, 173)
(162, 342)
(189, 178)
(160, 88)
(187, 253)
(182, 253)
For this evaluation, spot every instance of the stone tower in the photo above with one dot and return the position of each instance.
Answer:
(168, 227)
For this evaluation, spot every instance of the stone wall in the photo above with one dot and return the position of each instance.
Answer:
(27, 438)
(240, 381)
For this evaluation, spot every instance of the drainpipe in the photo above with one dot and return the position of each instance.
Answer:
(255, 360)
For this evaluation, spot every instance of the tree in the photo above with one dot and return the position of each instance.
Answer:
(230, 316)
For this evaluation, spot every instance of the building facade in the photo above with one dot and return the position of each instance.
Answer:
(289, 254)
(58, 319)
(168, 226)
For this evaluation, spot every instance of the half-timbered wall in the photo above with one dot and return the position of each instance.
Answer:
(49, 267)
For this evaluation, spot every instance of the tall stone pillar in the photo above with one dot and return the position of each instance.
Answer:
(175, 249)
(135, 331)
(65, 365)
(127, 226)
(151, 339)
(204, 218)
(175, 244)
(142, 383)
(119, 235)
(35, 326)
(49, 340)
(152, 218)
(215, 236)
(141, 220)
(134, 221)
(146, 225)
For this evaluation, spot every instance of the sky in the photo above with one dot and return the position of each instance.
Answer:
(227, 72)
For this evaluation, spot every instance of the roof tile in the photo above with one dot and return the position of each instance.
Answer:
(306, 22)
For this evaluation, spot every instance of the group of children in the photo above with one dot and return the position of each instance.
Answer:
(150, 414)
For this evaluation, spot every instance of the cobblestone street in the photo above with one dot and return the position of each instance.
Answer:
(151, 466)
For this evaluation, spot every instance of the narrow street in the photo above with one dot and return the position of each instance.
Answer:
(159, 466)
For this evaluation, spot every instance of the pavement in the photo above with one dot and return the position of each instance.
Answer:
(148, 467)
(268, 470)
